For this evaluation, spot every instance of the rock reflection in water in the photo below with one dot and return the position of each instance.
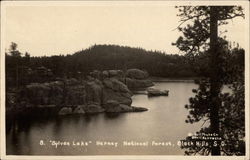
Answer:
(163, 122)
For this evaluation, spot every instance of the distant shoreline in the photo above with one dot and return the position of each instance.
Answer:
(161, 79)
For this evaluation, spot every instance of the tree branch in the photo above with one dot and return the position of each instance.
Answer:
(231, 17)
(204, 122)
(187, 19)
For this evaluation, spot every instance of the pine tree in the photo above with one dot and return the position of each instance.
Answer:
(202, 36)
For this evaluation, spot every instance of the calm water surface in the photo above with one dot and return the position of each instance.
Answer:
(163, 122)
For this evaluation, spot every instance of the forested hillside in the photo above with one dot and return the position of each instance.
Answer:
(22, 68)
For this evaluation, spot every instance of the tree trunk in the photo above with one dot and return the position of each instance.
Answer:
(214, 76)
(17, 79)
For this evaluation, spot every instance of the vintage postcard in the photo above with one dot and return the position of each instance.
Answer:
(125, 80)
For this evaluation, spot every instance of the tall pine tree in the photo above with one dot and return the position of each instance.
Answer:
(201, 35)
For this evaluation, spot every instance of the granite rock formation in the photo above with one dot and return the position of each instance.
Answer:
(137, 79)
(102, 91)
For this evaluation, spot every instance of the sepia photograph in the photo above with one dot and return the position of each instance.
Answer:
(137, 79)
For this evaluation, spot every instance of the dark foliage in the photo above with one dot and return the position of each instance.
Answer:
(97, 57)
(223, 66)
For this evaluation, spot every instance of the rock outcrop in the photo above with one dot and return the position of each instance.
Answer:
(74, 92)
(135, 84)
(139, 109)
(133, 78)
(114, 107)
(94, 108)
(103, 91)
(43, 93)
(70, 92)
(137, 79)
(79, 110)
(65, 111)
(156, 92)
(94, 91)
(116, 90)
(118, 74)
(136, 74)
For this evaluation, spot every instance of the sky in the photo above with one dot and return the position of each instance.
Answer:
(54, 30)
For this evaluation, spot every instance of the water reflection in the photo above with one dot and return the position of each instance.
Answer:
(164, 121)
(112, 115)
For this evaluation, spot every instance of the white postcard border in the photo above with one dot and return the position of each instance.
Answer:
(4, 4)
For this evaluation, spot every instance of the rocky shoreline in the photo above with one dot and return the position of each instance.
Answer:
(106, 91)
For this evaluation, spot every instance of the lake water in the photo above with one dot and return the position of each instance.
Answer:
(163, 122)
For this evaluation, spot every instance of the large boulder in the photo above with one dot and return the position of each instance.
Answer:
(125, 108)
(137, 79)
(114, 107)
(94, 91)
(75, 95)
(71, 82)
(157, 92)
(115, 73)
(79, 109)
(93, 108)
(122, 98)
(115, 85)
(96, 74)
(101, 91)
(116, 90)
(56, 92)
(105, 74)
(136, 74)
(43, 93)
(65, 111)
(37, 93)
(137, 83)
(67, 92)
(139, 109)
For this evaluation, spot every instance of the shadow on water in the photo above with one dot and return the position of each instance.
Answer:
(156, 97)
(15, 128)
(24, 124)
(111, 115)
(23, 133)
